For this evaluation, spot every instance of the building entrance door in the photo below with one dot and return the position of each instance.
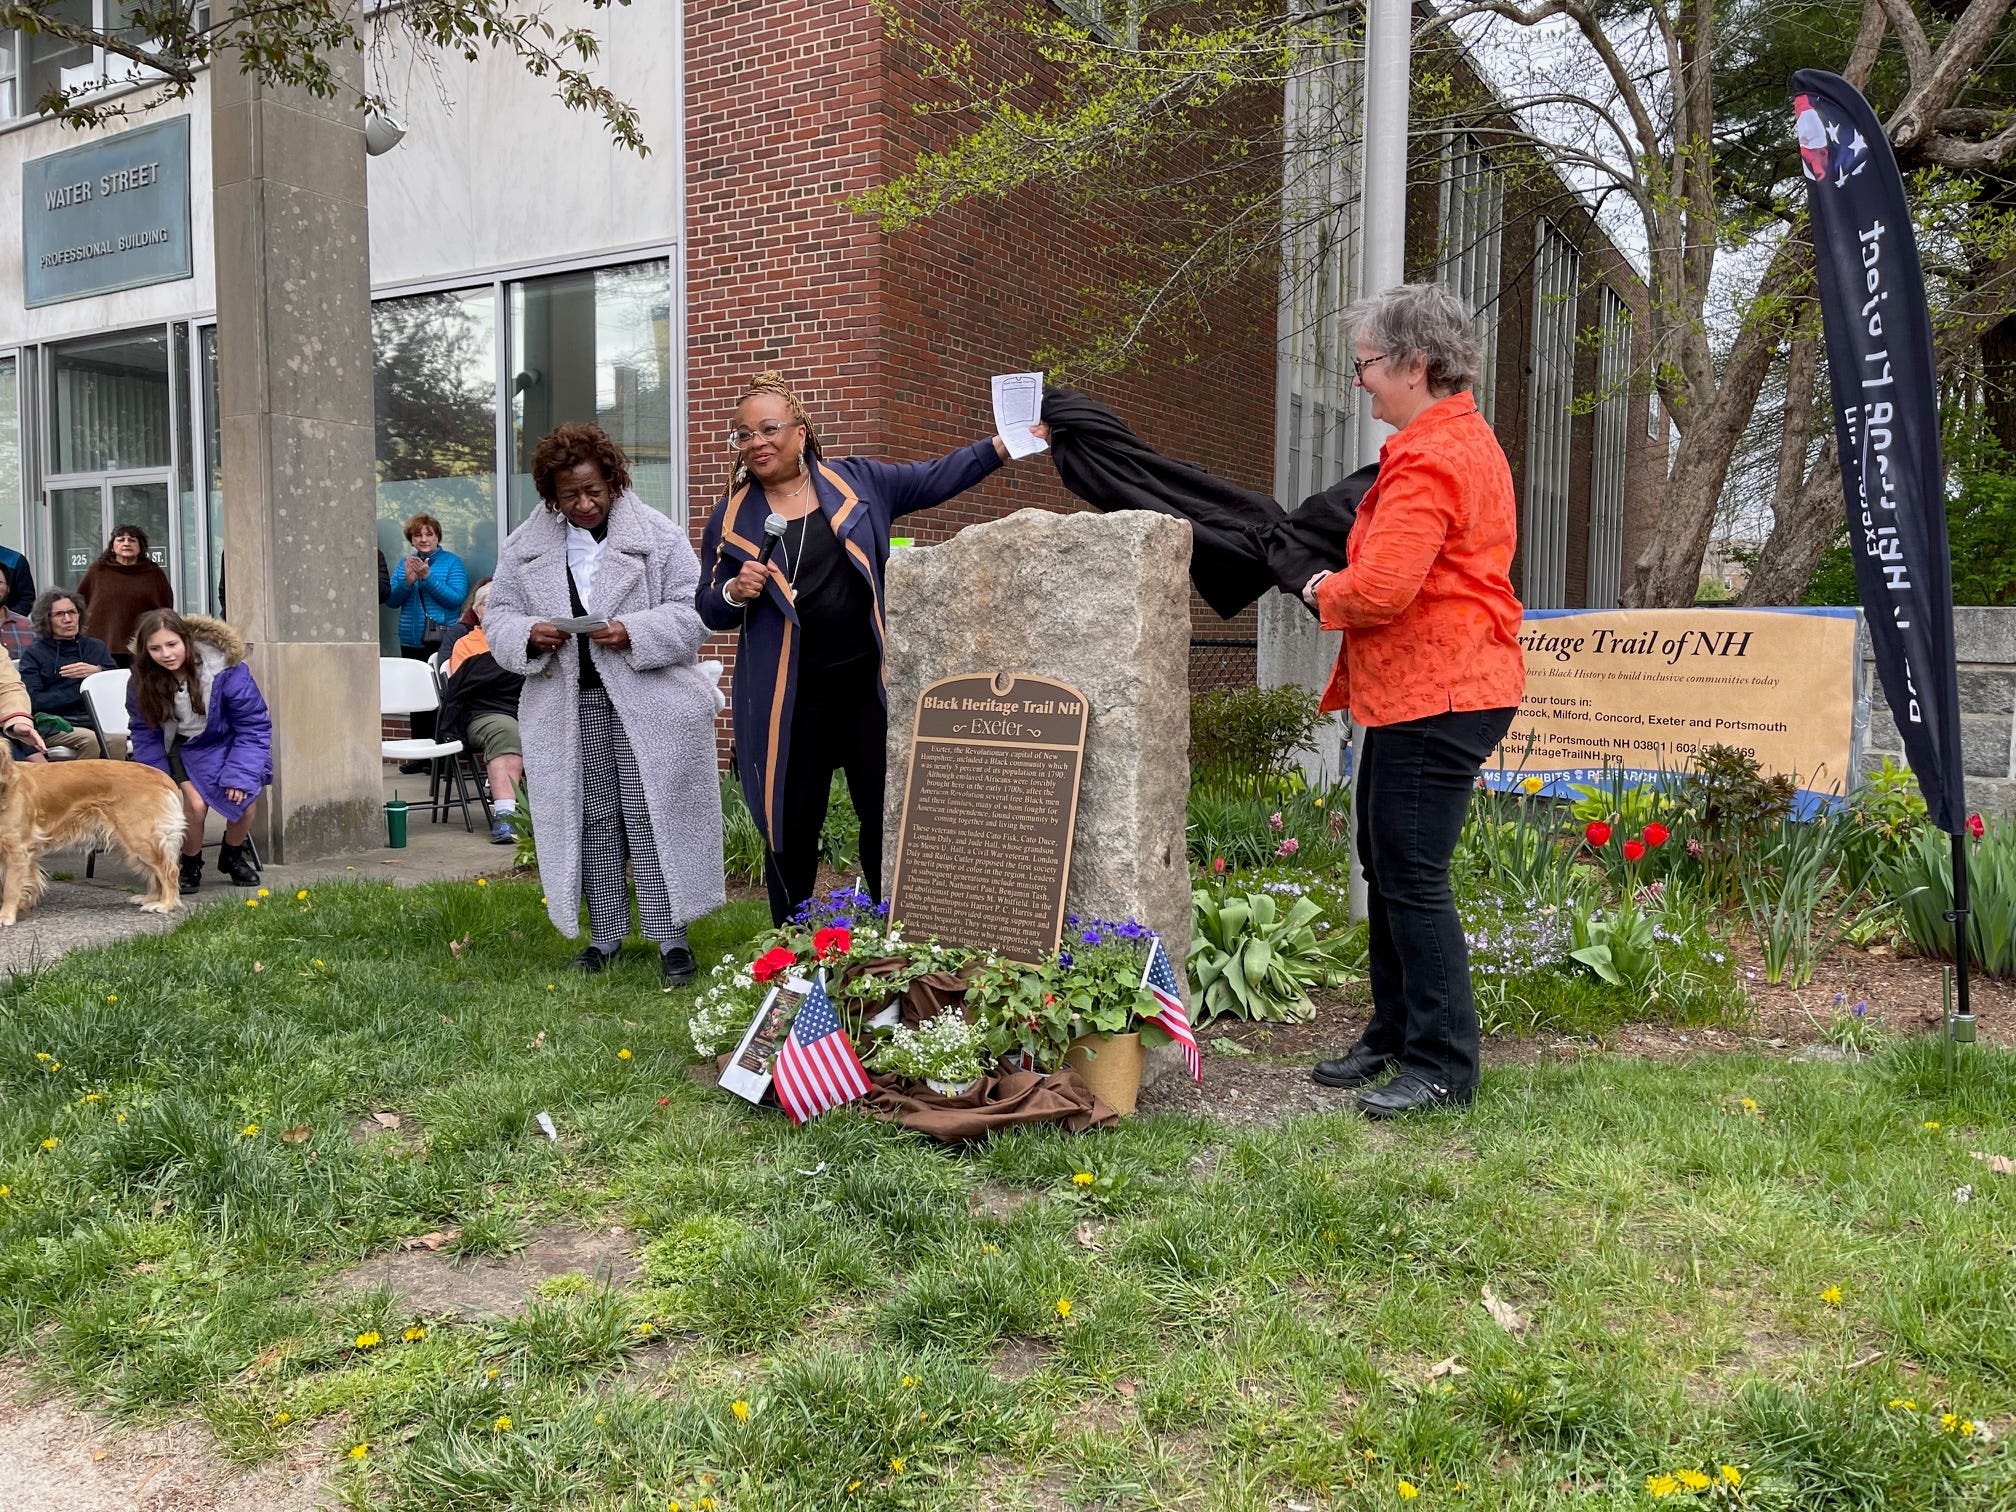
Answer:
(84, 512)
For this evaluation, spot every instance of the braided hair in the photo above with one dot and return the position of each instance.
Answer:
(777, 386)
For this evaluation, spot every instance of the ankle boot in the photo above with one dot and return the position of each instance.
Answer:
(235, 861)
(192, 873)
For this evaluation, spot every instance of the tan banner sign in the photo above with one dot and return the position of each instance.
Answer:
(1645, 690)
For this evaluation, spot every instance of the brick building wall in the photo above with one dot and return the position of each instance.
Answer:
(791, 109)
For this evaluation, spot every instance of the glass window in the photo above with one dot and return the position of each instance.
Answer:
(110, 403)
(1606, 471)
(53, 63)
(10, 51)
(10, 457)
(210, 469)
(1543, 527)
(435, 403)
(1473, 241)
(594, 346)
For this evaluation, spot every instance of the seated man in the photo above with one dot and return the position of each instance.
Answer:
(54, 668)
(479, 707)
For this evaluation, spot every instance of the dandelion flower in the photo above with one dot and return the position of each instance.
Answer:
(1063, 1307)
(43, 1055)
(90, 1097)
(1731, 1476)
(301, 896)
(909, 1381)
(1749, 1105)
(1693, 1480)
(111, 997)
(1661, 1485)
(51, 1142)
(1831, 1296)
(1083, 1178)
(853, 1486)
(896, 1464)
(120, 1117)
(249, 1131)
(317, 961)
(358, 1451)
(644, 1327)
(740, 1409)
(369, 1339)
(251, 902)
(1904, 1403)
(1931, 1123)
(624, 1053)
(415, 1335)
(6, 1191)
(706, 1503)
(503, 1424)
(482, 881)
(549, 986)
(1408, 1490)
(282, 1418)
(672, 1506)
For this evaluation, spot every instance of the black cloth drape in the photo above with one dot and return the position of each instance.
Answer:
(1243, 543)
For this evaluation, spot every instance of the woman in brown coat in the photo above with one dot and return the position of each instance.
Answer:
(120, 586)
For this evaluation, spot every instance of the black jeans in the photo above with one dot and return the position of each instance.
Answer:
(837, 724)
(1414, 785)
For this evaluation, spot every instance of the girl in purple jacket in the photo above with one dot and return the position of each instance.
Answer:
(198, 716)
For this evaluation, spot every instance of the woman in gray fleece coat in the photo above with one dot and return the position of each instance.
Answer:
(594, 701)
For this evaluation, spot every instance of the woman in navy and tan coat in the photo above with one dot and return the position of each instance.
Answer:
(809, 693)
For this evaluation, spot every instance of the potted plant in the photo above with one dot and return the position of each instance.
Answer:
(1084, 1006)
(945, 1053)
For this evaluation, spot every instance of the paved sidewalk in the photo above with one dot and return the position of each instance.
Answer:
(75, 913)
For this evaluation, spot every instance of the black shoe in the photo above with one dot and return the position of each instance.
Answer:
(676, 967)
(1411, 1092)
(235, 861)
(1356, 1067)
(415, 768)
(593, 960)
(192, 873)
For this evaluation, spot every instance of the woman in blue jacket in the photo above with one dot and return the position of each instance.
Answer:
(809, 694)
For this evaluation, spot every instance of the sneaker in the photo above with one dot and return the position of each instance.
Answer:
(501, 832)
(192, 873)
(676, 967)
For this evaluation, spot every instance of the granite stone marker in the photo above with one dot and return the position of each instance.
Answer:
(1101, 604)
(990, 802)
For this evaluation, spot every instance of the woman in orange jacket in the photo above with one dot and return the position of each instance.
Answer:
(1431, 666)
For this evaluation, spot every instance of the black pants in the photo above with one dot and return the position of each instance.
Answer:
(837, 724)
(422, 720)
(1414, 785)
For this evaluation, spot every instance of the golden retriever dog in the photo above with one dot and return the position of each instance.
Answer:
(110, 805)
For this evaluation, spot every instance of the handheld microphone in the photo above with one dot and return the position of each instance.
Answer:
(773, 532)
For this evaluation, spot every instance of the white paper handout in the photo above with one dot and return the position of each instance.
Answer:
(748, 1072)
(1018, 404)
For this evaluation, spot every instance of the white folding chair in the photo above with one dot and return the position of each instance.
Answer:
(408, 688)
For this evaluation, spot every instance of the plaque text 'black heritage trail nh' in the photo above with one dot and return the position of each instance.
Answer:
(988, 810)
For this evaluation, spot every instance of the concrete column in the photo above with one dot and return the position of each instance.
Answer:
(294, 392)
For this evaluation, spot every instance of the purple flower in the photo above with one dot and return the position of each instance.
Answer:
(1070, 921)
(1861, 1009)
(1064, 959)
(1090, 937)
(1289, 847)
(1274, 821)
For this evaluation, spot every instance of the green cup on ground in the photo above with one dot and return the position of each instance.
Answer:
(395, 823)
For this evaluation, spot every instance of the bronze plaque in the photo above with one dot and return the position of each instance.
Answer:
(988, 810)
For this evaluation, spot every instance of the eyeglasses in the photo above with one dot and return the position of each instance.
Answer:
(739, 436)
(56, 614)
(1359, 364)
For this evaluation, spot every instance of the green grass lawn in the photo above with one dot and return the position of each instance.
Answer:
(1732, 1261)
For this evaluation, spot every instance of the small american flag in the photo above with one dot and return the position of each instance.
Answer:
(817, 1069)
(1160, 979)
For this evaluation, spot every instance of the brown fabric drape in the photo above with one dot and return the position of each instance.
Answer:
(996, 1103)
(925, 998)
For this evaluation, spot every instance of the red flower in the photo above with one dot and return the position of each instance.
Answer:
(837, 940)
(772, 963)
(1597, 833)
(1218, 865)
(1634, 851)
(1657, 835)
(1975, 827)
